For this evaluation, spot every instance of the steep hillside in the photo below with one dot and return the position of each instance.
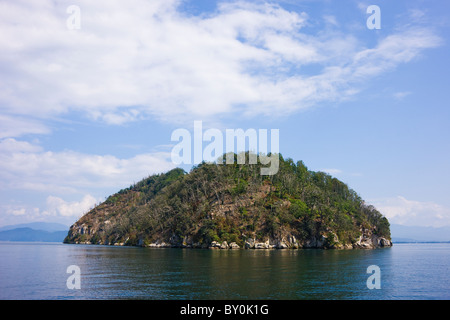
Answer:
(233, 206)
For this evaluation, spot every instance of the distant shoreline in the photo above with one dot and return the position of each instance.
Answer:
(399, 242)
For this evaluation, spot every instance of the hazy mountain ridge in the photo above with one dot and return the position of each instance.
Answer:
(402, 233)
(233, 206)
(34, 231)
(39, 225)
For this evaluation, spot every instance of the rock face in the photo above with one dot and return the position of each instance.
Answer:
(234, 245)
(367, 240)
(232, 207)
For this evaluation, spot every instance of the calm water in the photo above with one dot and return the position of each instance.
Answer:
(38, 271)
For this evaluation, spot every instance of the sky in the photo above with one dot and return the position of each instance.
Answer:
(91, 92)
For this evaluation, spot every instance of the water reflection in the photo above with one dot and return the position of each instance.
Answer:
(225, 274)
(39, 272)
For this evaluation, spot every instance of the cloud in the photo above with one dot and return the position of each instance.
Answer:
(26, 166)
(10, 146)
(400, 210)
(29, 174)
(138, 59)
(18, 212)
(54, 209)
(16, 126)
(58, 207)
(331, 171)
(331, 20)
(401, 95)
(401, 47)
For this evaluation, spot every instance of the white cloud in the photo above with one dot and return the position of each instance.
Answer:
(401, 95)
(400, 210)
(26, 166)
(29, 174)
(331, 20)
(331, 171)
(136, 59)
(54, 209)
(18, 212)
(57, 206)
(10, 146)
(16, 126)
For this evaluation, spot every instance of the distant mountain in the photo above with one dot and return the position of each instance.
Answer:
(27, 234)
(44, 226)
(35, 231)
(401, 233)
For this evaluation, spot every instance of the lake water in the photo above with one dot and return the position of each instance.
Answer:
(35, 271)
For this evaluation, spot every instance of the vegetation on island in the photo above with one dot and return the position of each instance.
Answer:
(233, 203)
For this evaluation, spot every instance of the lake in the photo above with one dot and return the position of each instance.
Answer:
(36, 271)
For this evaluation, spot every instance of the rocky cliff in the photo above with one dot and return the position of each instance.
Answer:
(223, 206)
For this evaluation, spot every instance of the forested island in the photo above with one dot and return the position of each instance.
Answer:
(231, 206)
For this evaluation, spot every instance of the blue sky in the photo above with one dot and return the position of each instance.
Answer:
(85, 112)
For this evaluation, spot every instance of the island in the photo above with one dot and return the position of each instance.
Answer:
(233, 206)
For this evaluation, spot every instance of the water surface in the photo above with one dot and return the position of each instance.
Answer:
(38, 271)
